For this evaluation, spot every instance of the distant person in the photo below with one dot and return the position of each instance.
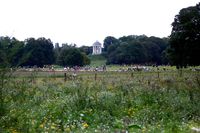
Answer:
(104, 67)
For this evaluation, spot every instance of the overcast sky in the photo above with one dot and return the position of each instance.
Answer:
(84, 21)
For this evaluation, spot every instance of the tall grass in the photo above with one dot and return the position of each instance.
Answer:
(115, 102)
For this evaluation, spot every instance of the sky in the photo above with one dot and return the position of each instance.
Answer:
(82, 22)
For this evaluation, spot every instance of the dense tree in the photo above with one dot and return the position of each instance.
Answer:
(155, 47)
(71, 56)
(57, 50)
(11, 52)
(185, 37)
(130, 49)
(4, 42)
(109, 41)
(86, 49)
(134, 49)
(38, 52)
(128, 53)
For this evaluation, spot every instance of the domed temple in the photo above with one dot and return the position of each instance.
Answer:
(97, 48)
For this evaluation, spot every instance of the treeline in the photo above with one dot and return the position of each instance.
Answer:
(135, 50)
(38, 52)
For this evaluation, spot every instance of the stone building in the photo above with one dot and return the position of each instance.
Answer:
(97, 48)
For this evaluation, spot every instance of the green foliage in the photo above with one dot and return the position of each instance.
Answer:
(86, 49)
(136, 50)
(31, 52)
(38, 52)
(185, 37)
(109, 40)
(11, 51)
(71, 56)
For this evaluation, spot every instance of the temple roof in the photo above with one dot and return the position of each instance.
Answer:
(97, 43)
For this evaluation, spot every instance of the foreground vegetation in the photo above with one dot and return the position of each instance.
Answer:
(100, 102)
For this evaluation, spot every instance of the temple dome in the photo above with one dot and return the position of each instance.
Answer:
(97, 43)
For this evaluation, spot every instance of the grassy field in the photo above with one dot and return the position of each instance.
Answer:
(97, 60)
(100, 102)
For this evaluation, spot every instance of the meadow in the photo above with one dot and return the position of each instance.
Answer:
(112, 101)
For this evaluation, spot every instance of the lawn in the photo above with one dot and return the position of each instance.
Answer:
(97, 60)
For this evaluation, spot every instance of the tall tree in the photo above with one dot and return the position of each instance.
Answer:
(86, 49)
(11, 51)
(38, 52)
(134, 49)
(71, 56)
(109, 40)
(185, 37)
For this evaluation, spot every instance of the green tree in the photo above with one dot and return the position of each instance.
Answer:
(155, 47)
(71, 56)
(86, 49)
(11, 51)
(109, 40)
(38, 52)
(4, 42)
(185, 37)
(134, 49)
(57, 50)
